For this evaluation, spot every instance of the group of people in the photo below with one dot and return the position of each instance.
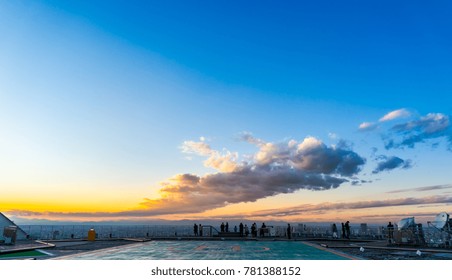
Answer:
(197, 230)
(224, 227)
(243, 230)
(345, 230)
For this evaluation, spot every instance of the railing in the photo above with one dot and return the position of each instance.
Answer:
(432, 237)
(81, 231)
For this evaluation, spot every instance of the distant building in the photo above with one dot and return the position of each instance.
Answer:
(4, 223)
(301, 228)
(363, 229)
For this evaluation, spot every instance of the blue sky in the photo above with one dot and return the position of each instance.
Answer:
(113, 98)
(353, 49)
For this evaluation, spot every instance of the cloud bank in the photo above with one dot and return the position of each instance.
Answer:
(303, 209)
(276, 168)
(433, 126)
(325, 207)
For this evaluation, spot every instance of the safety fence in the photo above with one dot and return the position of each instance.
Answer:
(55, 232)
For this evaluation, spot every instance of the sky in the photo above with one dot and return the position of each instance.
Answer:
(295, 111)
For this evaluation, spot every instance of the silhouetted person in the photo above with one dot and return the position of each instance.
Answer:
(390, 232)
(226, 227)
(241, 229)
(347, 229)
(195, 229)
(262, 229)
(334, 231)
(235, 228)
(200, 230)
(222, 227)
(289, 231)
(343, 230)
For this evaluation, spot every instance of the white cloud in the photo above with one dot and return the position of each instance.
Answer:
(396, 114)
(367, 126)
(226, 162)
(199, 148)
(310, 155)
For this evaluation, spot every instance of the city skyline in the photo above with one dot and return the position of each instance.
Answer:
(195, 110)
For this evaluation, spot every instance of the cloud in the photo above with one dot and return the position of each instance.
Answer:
(200, 148)
(303, 209)
(424, 189)
(226, 162)
(197, 194)
(431, 126)
(367, 126)
(431, 123)
(276, 168)
(360, 182)
(410, 133)
(249, 138)
(396, 114)
(328, 206)
(390, 163)
(311, 155)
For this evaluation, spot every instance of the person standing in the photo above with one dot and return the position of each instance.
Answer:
(390, 232)
(347, 229)
(289, 231)
(334, 231)
(200, 230)
(195, 229)
(241, 229)
(226, 227)
(261, 232)
(343, 230)
(222, 227)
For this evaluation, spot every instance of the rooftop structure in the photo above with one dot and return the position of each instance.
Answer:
(5, 222)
